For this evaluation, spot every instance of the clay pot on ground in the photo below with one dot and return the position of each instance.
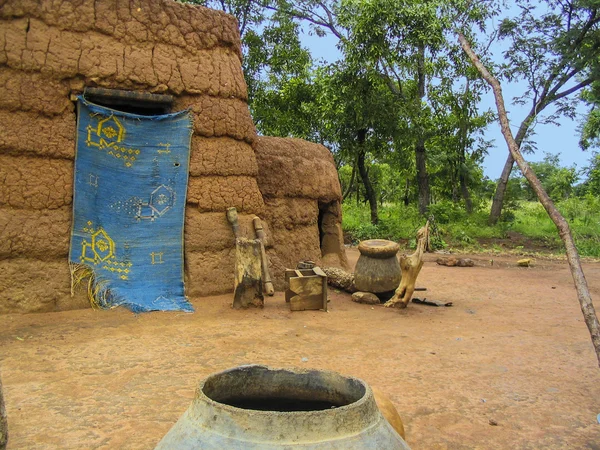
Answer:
(257, 407)
(377, 269)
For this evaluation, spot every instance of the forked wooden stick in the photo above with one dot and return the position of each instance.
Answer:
(411, 266)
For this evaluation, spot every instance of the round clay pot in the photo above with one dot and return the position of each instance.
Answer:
(257, 407)
(377, 269)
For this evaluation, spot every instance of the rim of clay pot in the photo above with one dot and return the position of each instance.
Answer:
(229, 398)
(378, 248)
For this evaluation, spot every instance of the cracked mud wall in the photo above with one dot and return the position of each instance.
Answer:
(52, 49)
(300, 186)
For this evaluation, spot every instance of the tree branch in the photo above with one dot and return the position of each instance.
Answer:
(573, 89)
(583, 293)
(245, 13)
(395, 89)
(312, 17)
(592, 20)
(351, 184)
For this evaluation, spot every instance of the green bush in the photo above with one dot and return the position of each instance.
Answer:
(396, 222)
(447, 211)
(453, 228)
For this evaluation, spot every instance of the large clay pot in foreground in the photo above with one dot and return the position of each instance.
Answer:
(377, 269)
(257, 407)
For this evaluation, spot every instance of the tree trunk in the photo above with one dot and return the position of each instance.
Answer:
(364, 175)
(465, 193)
(462, 151)
(351, 184)
(583, 292)
(420, 156)
(406, 192)
(339, 278)
(498, 200)
(422, 176)
(454, 179)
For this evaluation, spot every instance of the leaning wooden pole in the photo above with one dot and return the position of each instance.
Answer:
(3, 421)
(583, 292)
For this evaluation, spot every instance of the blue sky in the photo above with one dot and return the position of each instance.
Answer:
(552, 139)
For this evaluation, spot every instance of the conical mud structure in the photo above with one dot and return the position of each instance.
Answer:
(165, 56)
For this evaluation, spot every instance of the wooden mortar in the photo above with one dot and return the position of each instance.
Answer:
(377, 269)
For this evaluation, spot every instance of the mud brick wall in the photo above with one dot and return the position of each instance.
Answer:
(302, 196)
(51, 50)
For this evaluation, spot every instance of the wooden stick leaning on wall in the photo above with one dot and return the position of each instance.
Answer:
(260, 234)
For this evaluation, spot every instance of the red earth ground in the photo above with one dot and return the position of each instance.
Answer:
(509, 366)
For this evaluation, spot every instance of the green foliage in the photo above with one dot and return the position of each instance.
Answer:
(447, 212)
(408, 46)
(457, 230)
(591, 186)
(532, 220)
(396, 222)
(402, 100)
(557, 181)
(551, 48)
(590, 129)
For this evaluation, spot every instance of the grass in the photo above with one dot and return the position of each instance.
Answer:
(525, 226)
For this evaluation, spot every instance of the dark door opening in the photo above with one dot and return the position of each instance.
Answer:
(142, 103)
(330, 230)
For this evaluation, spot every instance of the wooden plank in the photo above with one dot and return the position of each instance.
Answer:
(310, 302)
(306, 285)
(306, 272)
(288, 274)
(319, 271)
(308, 293)
(306, 289)
(248, 274)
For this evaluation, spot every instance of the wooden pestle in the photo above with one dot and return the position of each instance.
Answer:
(232, 217)
(260, 234)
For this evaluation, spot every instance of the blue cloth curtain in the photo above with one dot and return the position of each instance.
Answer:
(131, 174)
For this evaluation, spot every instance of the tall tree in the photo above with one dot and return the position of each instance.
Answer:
(408, 44)
(401, 40)
(459, 139)
(354, 106)
(553, 48)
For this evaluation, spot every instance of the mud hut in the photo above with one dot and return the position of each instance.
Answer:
(300, 188)
(166, 56)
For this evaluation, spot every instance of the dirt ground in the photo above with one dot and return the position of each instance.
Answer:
(512, 351)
